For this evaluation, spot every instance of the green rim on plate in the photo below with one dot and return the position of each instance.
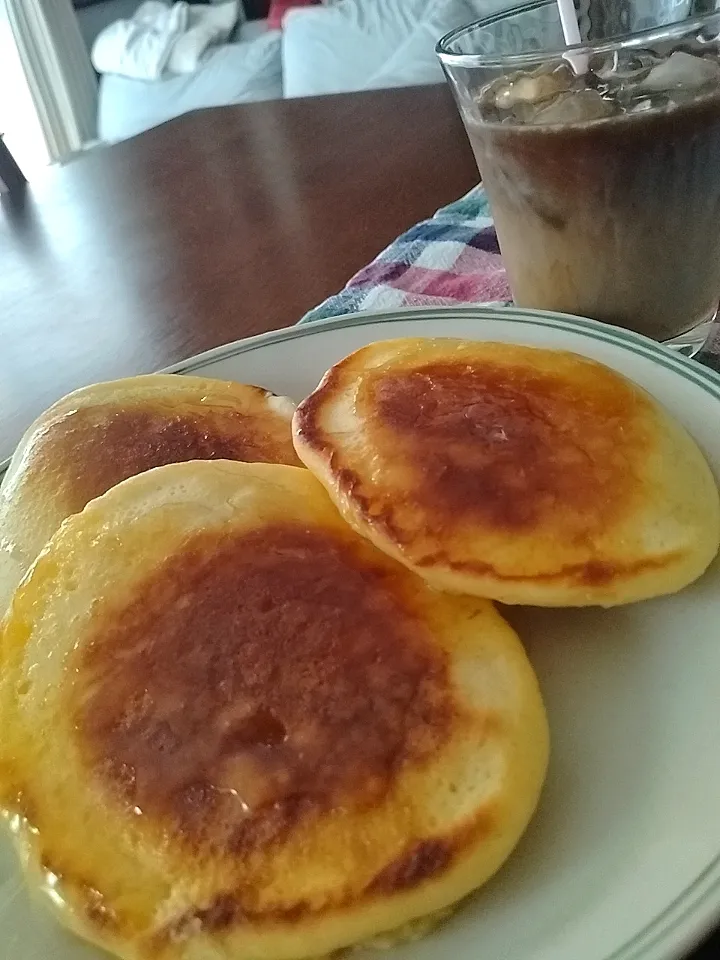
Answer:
(634, 342)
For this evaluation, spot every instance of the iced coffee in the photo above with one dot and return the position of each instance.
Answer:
(603, 174)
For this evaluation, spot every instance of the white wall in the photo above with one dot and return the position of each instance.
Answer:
(18, 118)
(58, 71)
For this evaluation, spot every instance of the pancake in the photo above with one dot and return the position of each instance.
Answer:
(525, 475)
(102, 434)
(234, 729)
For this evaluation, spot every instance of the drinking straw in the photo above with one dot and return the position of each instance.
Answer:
(571, 32)
(568, 20)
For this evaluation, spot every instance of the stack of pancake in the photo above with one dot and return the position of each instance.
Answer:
(255, 709)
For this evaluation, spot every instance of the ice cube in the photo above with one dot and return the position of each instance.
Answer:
(624, 65)
(681, 71)
(533, 87)
(524, 112)
(580, 106)
(643, 104)
(708, 35)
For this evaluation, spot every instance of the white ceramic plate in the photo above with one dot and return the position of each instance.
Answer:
(622, 861)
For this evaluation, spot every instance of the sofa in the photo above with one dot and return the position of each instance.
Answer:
(335, 47)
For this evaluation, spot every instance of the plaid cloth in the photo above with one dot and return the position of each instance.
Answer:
(452, 258)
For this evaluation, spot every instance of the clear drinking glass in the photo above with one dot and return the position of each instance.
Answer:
(601, 161)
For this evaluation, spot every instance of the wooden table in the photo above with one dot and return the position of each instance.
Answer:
(216, 226)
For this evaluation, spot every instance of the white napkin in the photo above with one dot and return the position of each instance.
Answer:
(206, 26)
(161, 37)
(140, 47)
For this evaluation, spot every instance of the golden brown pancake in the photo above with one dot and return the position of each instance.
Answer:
(234, 729)
(520, 474)
(102, 434)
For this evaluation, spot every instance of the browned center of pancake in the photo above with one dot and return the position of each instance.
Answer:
(256, 680)
(507, 445)
(98, 447)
